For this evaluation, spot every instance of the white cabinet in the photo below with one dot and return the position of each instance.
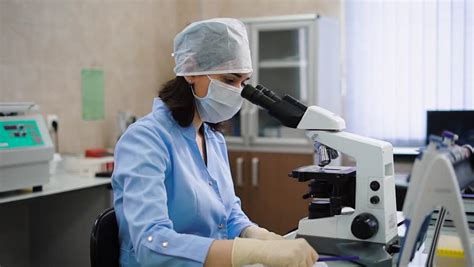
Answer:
(295, 55)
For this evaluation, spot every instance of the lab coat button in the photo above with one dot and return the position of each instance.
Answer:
(210, 183)
(150, 238)
(220, 226)
(164, 244)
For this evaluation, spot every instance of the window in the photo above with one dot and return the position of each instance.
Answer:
(404, 58)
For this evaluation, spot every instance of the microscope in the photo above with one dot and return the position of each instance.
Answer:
(353, 209)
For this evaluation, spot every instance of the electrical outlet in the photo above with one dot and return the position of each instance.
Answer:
(50, 118)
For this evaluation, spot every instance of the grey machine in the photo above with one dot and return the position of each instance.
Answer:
(25, 147)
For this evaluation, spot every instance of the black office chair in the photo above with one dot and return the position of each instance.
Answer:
(105, 246)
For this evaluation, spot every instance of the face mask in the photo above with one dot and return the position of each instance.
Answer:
(221, 103)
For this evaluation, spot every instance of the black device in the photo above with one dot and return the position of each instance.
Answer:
(460, 122)
(288, 110)
(331, 188)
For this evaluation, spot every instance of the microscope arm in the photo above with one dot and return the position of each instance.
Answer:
(373, 155)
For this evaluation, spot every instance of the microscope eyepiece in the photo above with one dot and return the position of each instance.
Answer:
(287, 110)
(268, 92)
(256, 96)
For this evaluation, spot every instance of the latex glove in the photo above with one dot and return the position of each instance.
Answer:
(260, 233)
(295, 252)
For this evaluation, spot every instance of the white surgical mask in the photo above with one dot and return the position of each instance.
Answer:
(221, 103)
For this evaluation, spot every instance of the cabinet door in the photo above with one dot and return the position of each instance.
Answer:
(239, 167)
(276, 201)
(282, 63)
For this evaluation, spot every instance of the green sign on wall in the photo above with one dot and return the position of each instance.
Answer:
(92, 94)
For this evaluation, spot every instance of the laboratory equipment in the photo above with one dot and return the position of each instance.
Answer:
(439, 174)
(25, 147)
(353, 210)
(460, 122)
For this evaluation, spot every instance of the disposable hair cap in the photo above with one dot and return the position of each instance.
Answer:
(213, 46)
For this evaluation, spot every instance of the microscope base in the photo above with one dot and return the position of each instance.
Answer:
(371, 254)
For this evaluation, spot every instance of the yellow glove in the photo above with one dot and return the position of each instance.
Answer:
(295, 252)
(260, 233)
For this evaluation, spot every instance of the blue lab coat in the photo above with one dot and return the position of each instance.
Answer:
(169, 205)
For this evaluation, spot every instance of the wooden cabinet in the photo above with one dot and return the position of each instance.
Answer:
(269, 197)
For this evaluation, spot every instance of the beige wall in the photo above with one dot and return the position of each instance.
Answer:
(45, 44)
(257, 8)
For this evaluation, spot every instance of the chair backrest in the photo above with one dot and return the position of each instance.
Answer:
(105, 246)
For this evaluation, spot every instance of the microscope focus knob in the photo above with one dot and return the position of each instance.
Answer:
(364, 226)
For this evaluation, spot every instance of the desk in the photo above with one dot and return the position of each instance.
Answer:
(51, 227)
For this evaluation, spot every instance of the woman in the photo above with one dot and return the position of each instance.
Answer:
(173, 191)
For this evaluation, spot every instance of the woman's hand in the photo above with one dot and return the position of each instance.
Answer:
(295, 252)
(260, 233)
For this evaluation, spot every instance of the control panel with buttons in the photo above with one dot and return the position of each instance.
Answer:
(19, 134)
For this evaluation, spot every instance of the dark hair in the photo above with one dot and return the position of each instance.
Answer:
(178, 97)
